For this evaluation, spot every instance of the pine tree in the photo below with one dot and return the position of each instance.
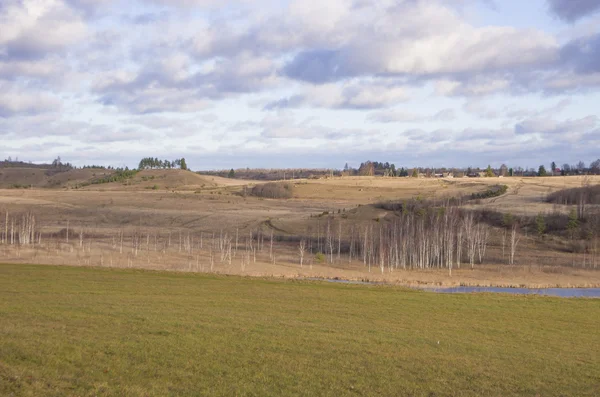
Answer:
(540, 224)
(573, 222)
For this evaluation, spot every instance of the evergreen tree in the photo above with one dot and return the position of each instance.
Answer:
(540, 224)
(489, 173)
(573, 222)
(231, 174)
(508, 220)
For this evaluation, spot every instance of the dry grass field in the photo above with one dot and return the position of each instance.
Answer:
(178, 220)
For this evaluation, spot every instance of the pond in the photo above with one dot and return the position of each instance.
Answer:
(560, 292)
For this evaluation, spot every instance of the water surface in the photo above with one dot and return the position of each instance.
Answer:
(560, 292)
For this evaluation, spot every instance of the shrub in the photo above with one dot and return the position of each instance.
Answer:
(319, 257)
(118, 176)
(493, 191)
(273, 190)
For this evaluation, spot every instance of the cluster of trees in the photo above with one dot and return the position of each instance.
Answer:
(273, 174)
(580, 197)
(440, 238)
(155, 163)
(102, 167)
(56, 165)
(273, 190)
(579, 168)
(586, 194)
(570, 169)
(372, 168)
(19, 230)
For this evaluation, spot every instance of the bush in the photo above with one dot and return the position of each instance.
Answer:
(494, 191)
(19, 186)
(273, 190)
(319, 257)
(118, 176)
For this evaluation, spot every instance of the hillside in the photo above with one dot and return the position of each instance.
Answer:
(170, 179)
(93, 178)
(46, 178)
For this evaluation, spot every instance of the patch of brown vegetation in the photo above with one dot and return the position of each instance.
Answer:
(192, 204)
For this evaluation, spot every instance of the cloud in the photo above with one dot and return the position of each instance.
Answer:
(33, 29)
(45, 70)
(155, 100)
(174, 83)
(109, 134)
(547, 126)
(341, 40)
(400, 48)
(295, 77)
(572, 10)
(18, 102)
(399, 116)
(583, 55)
(479, 109)
(283, 126)
(368, 94)
(551, 111)
(444, 115)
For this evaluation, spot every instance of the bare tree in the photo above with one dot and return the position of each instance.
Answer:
(471, 237)
(482, 240)
(302, 249)
(339, 240)
(514, 242)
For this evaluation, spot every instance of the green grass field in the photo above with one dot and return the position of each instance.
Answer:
(67, 331)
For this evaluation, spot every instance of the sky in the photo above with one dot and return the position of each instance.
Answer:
(301, 83)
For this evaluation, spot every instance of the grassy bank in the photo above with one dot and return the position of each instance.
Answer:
(82, 331)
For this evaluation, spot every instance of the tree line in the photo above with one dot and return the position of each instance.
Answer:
(156, 163)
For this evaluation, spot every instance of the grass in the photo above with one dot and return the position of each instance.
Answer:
(68, 331)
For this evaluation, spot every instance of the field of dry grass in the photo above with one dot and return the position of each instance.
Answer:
(156, 204)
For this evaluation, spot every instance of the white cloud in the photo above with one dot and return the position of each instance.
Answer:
(400, 116)
(112, 71)
(33, 28)
(548, 126)
(18, 102)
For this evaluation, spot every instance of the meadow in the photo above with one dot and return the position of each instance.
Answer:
(180, 220)
(83, 331)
